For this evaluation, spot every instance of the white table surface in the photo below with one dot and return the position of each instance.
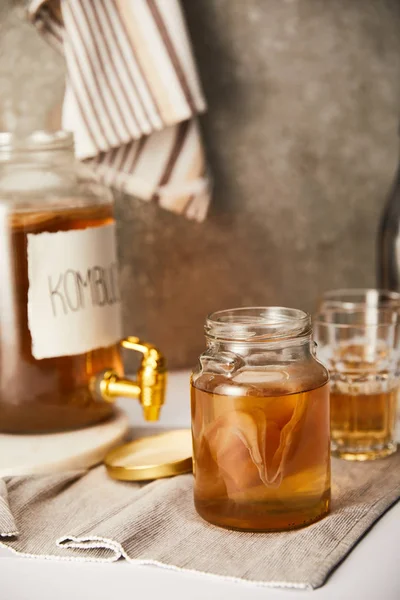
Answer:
(370, 572)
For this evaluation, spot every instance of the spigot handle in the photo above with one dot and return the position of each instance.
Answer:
(149, 386)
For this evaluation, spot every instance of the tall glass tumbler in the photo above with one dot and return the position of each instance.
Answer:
(360, 349)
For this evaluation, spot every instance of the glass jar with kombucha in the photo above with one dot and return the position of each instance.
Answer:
(60, 306)
(260, 422)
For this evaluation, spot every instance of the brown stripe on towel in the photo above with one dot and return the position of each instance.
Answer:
(123, 153)
(98, 48)
(172, 53)
(144, 36)
(115, 20)
(181, 134)
(78, 82)
(94, 86)
(140, 147)
(109, 42)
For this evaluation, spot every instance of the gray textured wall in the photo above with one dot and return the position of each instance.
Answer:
(301, 131)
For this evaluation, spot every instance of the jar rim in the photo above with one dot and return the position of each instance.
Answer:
(258, 324)
(40, 140)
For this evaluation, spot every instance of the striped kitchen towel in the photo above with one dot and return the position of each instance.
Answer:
(132, 96)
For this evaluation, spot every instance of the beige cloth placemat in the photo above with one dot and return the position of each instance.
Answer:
(87, 516)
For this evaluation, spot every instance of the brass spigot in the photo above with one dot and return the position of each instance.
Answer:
(149, 386)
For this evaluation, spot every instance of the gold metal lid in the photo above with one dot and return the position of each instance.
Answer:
(153, 457)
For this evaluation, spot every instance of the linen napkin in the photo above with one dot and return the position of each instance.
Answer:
(132, 96)
(88, 516)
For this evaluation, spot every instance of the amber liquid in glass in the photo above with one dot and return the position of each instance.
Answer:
(363, 405)
(49, 394)
(262, 463)
(363, 424)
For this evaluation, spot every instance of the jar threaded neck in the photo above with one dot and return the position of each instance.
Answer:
(258, 324)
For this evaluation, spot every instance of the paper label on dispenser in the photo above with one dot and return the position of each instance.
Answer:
(74, 303)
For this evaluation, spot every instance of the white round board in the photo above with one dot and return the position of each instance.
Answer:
(55, 452)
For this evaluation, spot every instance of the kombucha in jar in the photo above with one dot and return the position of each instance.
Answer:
(60, 307)
(260, 422)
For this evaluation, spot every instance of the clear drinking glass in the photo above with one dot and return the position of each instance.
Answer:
(360, 348)
(260, 422)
